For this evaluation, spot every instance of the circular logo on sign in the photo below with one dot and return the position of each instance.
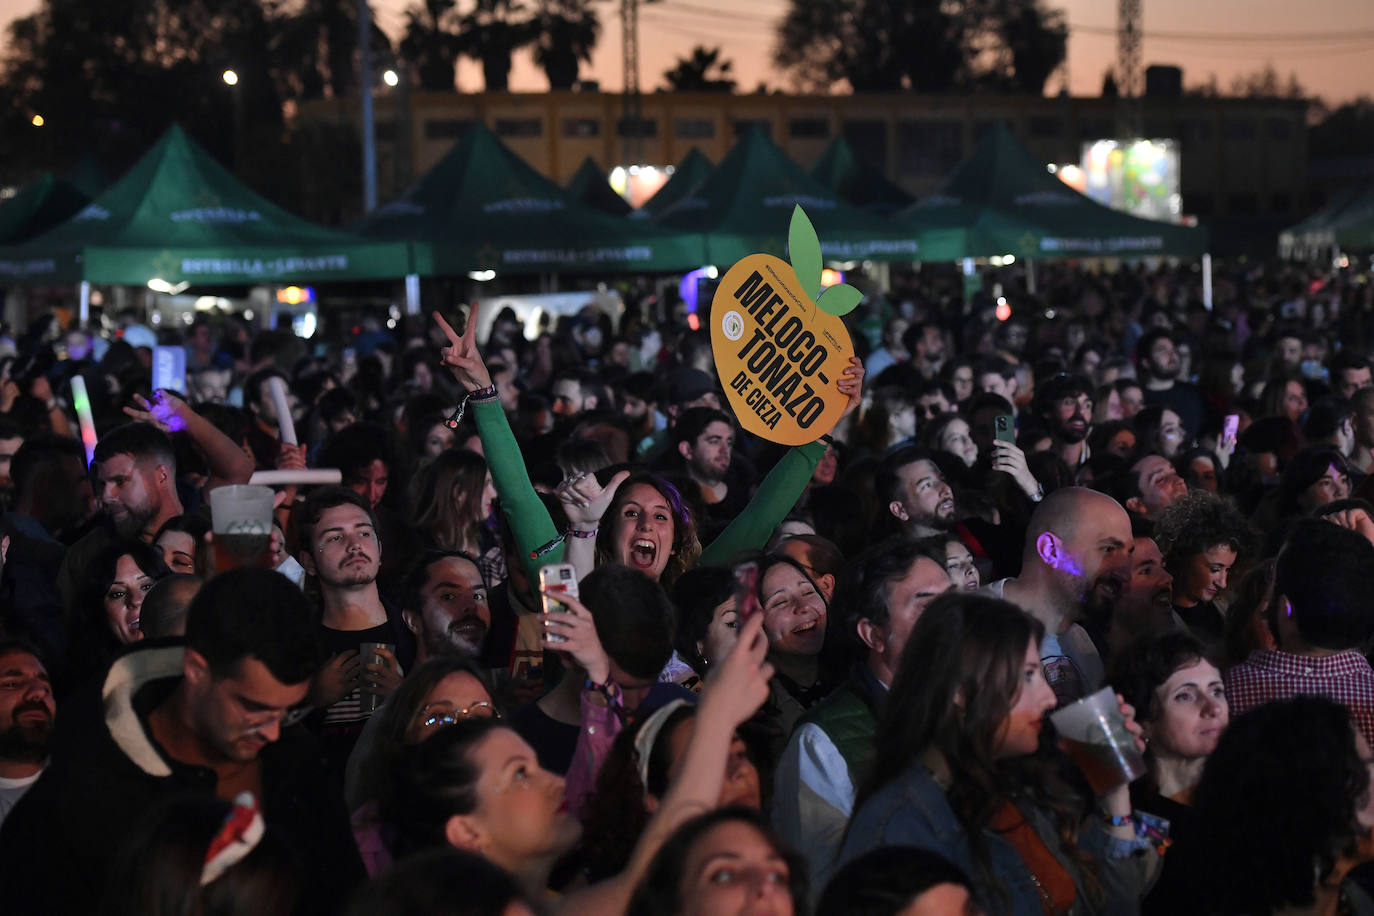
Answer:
(733, 325)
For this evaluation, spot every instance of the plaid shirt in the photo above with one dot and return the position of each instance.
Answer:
(1269, 674)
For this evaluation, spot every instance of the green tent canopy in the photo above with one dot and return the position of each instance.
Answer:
(858, 182)
(1002, 200)
(484, 208)
(1346, 221)
(589, 186)
(181, 217)
(40, 205)
(745, 206)
(89, 176)
(688, 173)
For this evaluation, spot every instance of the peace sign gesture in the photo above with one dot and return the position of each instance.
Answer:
(461, 354)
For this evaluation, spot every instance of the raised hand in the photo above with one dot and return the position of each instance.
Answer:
(850, 384)
(735, 690)
(1008, 457)
(580, 640)
(166, 411)
(585, 501)
(461, 354)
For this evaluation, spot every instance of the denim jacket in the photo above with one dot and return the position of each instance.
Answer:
(912, 810)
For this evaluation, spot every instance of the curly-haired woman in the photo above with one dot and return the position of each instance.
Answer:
(1202, 536)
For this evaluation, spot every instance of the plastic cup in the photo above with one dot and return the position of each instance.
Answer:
(1093, 732)
(368, 701)
(241, 518)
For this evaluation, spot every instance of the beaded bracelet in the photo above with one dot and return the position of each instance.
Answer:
(481, 394)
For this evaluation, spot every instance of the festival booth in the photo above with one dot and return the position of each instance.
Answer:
(484, 209)
(39, 206)
(589, 186)
(688, 173)
(744, 205)
(857, 182)
(1002, 201)
(1346, 222)
(178, 218)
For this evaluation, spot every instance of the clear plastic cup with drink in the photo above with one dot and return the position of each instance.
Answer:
(1093, 732)
(368, 700)
(241, 518)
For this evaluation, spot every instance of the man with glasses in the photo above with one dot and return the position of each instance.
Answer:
(213, 717)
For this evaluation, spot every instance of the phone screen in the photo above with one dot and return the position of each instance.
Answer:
(747, 590)
(1004, 428)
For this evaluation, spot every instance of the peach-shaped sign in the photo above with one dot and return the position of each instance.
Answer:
(779, 343)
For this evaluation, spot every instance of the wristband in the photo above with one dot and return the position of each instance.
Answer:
(607, 690)
(481, 394)
(1119, 820)
(582, 533)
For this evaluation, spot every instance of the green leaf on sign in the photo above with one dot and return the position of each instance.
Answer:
(804, 252)
(839, 300)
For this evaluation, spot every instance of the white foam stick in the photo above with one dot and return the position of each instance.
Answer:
(305, 477)
(278, 389)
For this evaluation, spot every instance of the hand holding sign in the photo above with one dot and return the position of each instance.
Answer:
(780, 348)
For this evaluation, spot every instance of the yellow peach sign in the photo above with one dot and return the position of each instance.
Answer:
(778, 353)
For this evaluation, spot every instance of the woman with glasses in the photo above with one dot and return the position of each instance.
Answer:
(438, 693)
(478, 786)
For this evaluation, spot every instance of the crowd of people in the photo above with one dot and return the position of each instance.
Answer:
(790, 680)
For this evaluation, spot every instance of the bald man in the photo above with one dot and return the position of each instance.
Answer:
(1076, 562)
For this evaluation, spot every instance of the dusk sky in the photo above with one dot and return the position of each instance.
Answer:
(1333, 54)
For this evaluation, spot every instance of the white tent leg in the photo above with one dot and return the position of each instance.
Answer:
(1207, 281)
(412, 294)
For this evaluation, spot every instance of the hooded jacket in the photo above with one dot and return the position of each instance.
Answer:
(59, 843)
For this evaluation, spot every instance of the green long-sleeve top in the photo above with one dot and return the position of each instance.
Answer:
(532, 527)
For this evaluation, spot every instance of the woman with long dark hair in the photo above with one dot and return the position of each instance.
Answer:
(959, 770)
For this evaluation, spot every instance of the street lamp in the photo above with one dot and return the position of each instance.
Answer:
(391, 78)
(37, 120)
(231, 78)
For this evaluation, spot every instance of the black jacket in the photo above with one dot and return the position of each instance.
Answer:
(58, 843)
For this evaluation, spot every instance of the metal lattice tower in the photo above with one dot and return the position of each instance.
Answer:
(631, 112)
(1128, 69)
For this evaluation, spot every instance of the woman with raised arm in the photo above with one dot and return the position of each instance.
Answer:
(645, 535)
(477, 785)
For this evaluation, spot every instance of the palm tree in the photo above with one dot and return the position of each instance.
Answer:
(430, 46)
(491, 33)
(693, 73)
(566, 32)
(316, 48)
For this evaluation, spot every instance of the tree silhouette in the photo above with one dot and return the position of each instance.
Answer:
(921, 45)
(566, 32)
(109, 77)
(693, 73)
(315, 48)
(431, 43)
(490, 33)
(1036, 41)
